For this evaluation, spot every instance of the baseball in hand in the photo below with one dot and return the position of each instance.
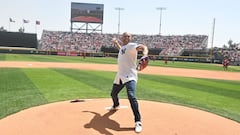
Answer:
(114, 40)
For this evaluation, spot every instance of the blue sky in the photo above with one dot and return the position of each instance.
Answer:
(181, 17)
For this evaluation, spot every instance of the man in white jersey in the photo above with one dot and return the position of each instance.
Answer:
(127, 74)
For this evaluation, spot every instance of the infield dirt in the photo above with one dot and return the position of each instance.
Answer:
(224, 75)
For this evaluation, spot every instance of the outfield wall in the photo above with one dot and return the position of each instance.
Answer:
(15, 50)
(18, 39)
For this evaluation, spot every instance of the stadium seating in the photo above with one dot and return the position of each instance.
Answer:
(92, 42)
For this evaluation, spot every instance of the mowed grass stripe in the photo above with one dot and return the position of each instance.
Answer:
(30, 57)
(206, 85)
(57, 86)
(198, 93)
(99, 80)
(74, 59)
(190, 86)
(17, 92)
(2, 57)
(18, 57)
(194, 65)
(56, 58)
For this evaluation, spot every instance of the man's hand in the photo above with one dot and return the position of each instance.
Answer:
(115, 42)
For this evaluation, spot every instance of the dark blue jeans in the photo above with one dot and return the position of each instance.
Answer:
(131, 88)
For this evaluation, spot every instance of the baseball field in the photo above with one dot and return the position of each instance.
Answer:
(28, 81)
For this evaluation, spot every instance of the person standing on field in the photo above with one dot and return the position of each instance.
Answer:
(225, 64)
(127, 74)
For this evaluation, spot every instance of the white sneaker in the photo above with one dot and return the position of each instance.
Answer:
(138, 126)
(113, 108)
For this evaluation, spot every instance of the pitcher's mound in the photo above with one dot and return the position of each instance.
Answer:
(90, 117)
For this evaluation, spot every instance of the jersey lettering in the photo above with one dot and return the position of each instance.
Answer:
(123, 51)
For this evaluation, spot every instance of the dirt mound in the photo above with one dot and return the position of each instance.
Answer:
(90, 117)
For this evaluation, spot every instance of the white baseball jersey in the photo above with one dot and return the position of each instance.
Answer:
(127, 58)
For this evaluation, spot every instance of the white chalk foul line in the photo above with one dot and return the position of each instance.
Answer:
(120, 107)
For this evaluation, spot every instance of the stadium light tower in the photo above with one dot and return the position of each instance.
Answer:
(119, 10)
(160, 23)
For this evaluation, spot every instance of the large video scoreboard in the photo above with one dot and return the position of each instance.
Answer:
(87, 12)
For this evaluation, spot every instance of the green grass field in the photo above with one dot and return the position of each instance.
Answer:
(23, 88)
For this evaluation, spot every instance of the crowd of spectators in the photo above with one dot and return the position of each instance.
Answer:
(232, 55)
(92, 42)
(67, 41)
(232, 52)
